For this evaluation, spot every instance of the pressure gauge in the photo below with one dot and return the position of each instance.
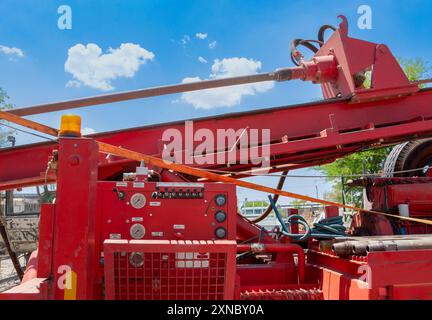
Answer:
(137, 231)
(138, 201)
(220, 200)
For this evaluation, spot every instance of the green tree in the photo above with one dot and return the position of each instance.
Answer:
(370, 161)
(4, 105)
(256, 203)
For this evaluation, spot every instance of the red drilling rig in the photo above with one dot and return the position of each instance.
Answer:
(126, 224)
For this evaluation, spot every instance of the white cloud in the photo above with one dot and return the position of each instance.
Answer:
(73, 84)
(202, 60)
(184, 41)
(90, 67)
(12, 51)
(201, 36)
(87, 131)
(212, 44)
(226, 96)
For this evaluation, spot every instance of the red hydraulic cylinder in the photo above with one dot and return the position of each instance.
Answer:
(247, 230)
(279, 247)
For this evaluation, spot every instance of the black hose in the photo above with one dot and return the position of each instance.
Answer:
(275, 199)
(321, 32)
(328, 228)
(305, 43)
(309, 44)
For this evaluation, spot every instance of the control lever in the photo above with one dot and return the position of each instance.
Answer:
(121, 195)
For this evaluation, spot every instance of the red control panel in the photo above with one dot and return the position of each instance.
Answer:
(166, 211)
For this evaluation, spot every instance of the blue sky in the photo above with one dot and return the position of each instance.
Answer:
(259, 31)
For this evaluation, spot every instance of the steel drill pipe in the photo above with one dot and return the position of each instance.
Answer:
(284, 74)
(321, 69)
(400, 245)
(360, 248)
(278, 247)
(343, 248)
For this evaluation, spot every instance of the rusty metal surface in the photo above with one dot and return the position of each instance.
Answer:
(23, 233)
(295, 294)
(11, 253)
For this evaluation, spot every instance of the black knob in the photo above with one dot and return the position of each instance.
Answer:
(220, 216)
(220, 200)
(220, 233)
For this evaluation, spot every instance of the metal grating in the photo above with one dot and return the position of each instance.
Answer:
(172, 270)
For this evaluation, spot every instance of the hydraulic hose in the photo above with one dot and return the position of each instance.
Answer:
(275, 199)
(296, 56)
(322, 30)
(326, 228)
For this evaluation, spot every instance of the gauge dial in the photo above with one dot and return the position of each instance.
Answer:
(138, 201)
(137, 231)
(220, 200)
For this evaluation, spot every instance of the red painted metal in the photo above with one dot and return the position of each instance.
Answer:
(301, 135)
(73, 245)
(173, 217)
(31, 269)
(281, 248)
(331, 211)
(34, 289)
(170, 270)
(374, 277)
(294, 227)
(356, 57)
(387, 194)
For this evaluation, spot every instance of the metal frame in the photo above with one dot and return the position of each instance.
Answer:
(352, 118)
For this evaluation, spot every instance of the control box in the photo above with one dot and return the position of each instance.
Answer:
(166, 211)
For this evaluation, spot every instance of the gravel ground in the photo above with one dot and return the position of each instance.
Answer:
(8, 276)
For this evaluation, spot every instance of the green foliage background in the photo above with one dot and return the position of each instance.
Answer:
(4, 105)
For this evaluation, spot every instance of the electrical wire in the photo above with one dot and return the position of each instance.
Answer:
(28, 132)
(316, 176)
(275, 198)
